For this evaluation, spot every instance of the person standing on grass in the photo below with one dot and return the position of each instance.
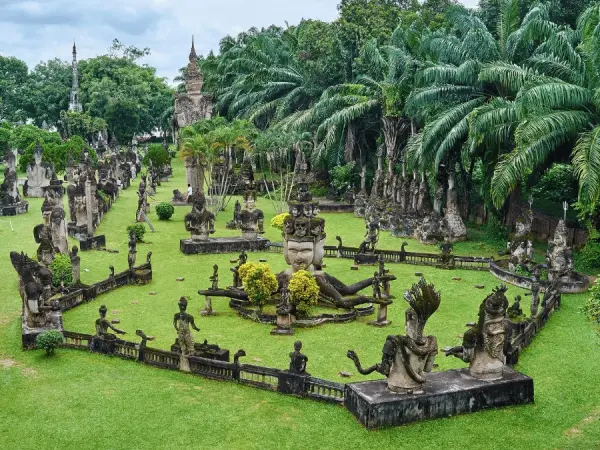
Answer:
(189, 192)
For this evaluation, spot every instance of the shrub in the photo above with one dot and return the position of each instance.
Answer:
(164, 211)
(140, 231)
(592, 307)
(49, 341)
(304, 292)
(344, 176)
(587, 259)
(158, 156)
(61, 270)
(279, 220)
(259, 282)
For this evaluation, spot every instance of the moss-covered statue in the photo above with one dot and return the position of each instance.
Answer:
(405, 359)
(200, 222)
(559, 256)
(483, 342)
(520, 246)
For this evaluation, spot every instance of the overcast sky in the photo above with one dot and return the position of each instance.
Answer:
(36, 31)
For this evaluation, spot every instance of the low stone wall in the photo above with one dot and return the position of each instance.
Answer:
(520, 334)
(141, 274)
(260, 377)
(579, 284)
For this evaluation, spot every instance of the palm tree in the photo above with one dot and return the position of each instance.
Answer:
(559, 112)
(373, 102)
(465, 98)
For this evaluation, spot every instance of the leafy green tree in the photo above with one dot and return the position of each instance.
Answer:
(47, 91)
(157, 155)
(74, 123)
(13, 77)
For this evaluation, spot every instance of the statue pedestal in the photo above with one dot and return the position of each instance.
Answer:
(365, 259)
(14, 210)
(223, 245)
(446, 394)
(382, 320)
(29, 335)
(208, 309)
(284, 326)
(92, 243)
(292, 383)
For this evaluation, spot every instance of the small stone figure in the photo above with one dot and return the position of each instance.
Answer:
(483, 343)
(178, 197)
(215, 278)
(75, 265)
(515, 311)
(535, 292)
(376, 286)
(371, 237)
(406, 358)
(559, 256)
(520, 245)
(237, 281)
(132, 249)
(298, 361)
(182, 321)
(103, 341)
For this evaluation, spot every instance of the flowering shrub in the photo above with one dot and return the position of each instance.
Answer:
(259, 282)
(304, 292)
(279, 220)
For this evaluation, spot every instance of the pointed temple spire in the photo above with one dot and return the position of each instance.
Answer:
(74, 104)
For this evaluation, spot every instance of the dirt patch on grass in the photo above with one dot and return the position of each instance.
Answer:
(594, 416)
(29, 372)
(7, 363)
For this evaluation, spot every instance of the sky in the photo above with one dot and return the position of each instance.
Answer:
(36, 31)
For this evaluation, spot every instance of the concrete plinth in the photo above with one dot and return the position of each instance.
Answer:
(446, 394)
(92, 243)
(14, 210)
(223, 245)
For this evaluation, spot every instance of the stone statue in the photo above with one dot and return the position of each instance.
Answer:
(515, 311)
(103, 341)
(38, 174)
(178, 197)
(559, 256)
(182, 321)
(214, 279)
(251, 219)
(200, 222)
(371, 237)
(35, 288)
(535, 292)
(376, 285)
(520, 244)
(237, 281)
(298, 360)
(483, 343)
(132, 249)
(456, 227)
(75, 265)
(10, 199)
(43, 236)
(405, 359)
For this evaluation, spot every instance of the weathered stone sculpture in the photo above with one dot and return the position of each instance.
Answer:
(200, 222)
(38, 174)
(35, 288)
(251, 219)
(10, 199)
(75, 265)
(235, 223)
(405, 359)
(43, 236)
(456, 227)
(298, 361)
(182, 321)
(559, 256)
(132, 249)
(103, 341)
(483, 343)
(366, 251)
(520, 244)
(178, 198)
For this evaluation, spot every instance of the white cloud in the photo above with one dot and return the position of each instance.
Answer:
(35, 31)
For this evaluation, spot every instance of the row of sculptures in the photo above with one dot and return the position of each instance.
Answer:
(199, 222)
(401, 203)
(10, 199)
(559, 256)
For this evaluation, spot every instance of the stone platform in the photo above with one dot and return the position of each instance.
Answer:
(446, 394)
(92, 243)
(14, 210)
(223, 245)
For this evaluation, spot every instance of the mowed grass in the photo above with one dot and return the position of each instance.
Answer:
(80, 400)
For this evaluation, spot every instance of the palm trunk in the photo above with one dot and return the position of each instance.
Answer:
(393, 129)
(350, 142)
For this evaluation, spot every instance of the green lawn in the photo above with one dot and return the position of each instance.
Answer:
(80, 400)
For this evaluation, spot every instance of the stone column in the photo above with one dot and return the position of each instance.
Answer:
(89, 208)
(195, 173)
